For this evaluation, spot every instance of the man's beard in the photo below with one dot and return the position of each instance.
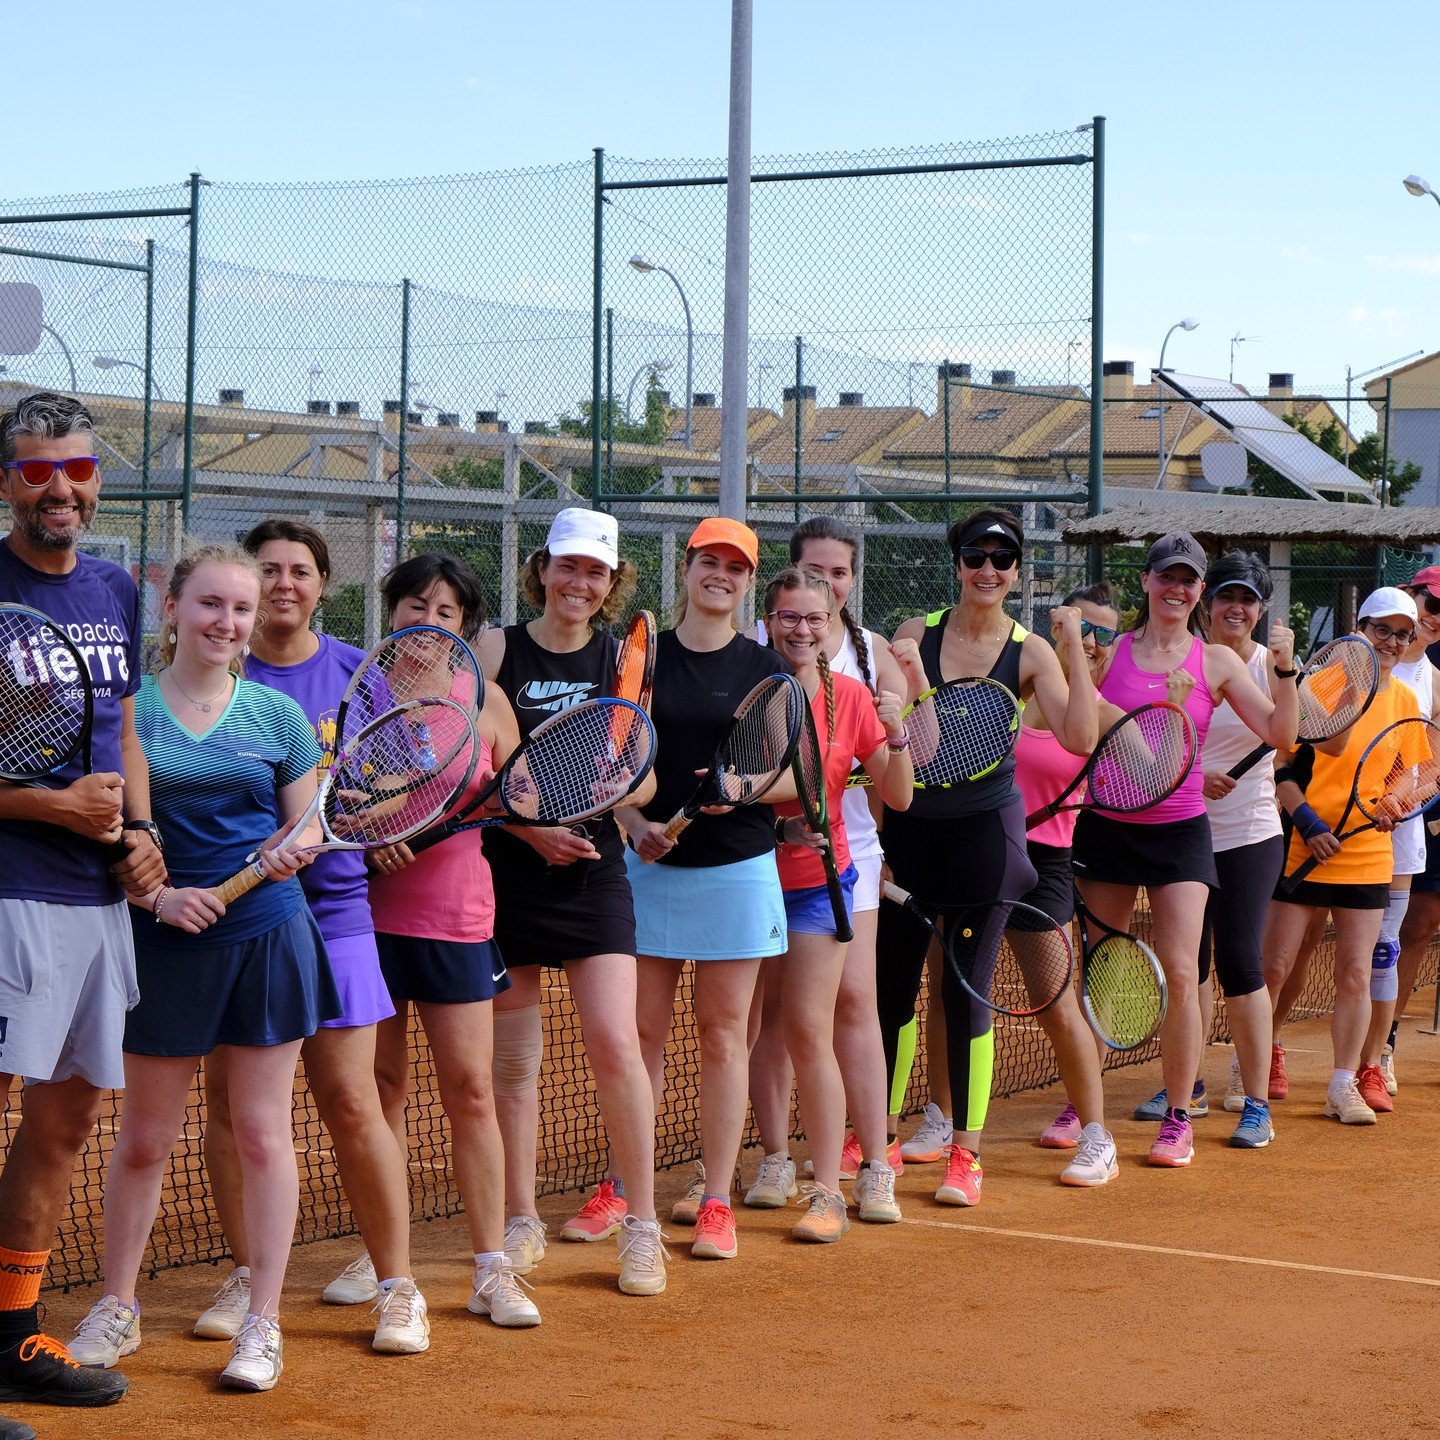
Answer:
(40, 535)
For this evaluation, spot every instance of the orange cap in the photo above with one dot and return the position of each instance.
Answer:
(717, 530)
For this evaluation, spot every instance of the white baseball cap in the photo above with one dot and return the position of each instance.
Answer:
(1387, 600)
(585, 532)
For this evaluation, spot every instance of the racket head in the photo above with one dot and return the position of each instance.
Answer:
(1141, 759)
(1399, 771)
(579, 763)
(761, 740)
(635, 661)
(961, 730)
(47, 707)
(1336, 687)
(397, 775)
(810, 774)
(416, 662)
(1123, 991)
(1010, 956)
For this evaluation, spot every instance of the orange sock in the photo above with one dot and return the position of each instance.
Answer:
(21, 1272)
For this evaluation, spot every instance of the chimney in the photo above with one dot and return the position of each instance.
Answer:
(415, 417)
(392, 409)
(959, 372)
(807, 408)
(1118, 382)
(347, 407)
(504, 427)
(487, 422)
(1002, 377)
(448, 420)
(318, 407)
(851, 399)
(233, 397)
(1282, 385)
(536, 427)
(704, 400)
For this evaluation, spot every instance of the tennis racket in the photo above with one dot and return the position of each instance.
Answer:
(390, 780)
(754, 751)
(575, 765)
(1142, 758)
(1336, 687)
(815, 807)
(417, 662)
(1122, 984)
(47, 702)
(634, 678)
(1397, 777)
(1013, 958)
(961, 730)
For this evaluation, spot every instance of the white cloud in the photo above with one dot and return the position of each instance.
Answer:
(1300, 255)
(1384, 321)
(1407, 264)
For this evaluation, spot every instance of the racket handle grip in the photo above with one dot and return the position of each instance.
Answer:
(241, 883)
(677, 827)
(1290, 882)
(1243, 767)
(891, 891)
(1039, 817)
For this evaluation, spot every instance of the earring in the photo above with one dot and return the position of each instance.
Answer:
(173, 637)
(244, 651)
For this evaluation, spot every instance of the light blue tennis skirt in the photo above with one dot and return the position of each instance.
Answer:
(719, 912)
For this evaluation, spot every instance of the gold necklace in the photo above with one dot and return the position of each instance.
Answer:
(203, 706)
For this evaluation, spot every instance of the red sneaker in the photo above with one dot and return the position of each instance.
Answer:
(599, 1217)
(715, 1232)
(1279, 1081)
(963, 1177)
(1371, 1085)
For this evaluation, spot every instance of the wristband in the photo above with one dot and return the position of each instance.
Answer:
(160, 899)
(901, 742)
(780, 841)
(1308, 823)
(1286, 674)
(1284, 773)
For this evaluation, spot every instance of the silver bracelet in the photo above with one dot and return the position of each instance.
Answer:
(160, 899)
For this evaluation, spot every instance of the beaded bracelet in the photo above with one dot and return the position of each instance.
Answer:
(160, 899)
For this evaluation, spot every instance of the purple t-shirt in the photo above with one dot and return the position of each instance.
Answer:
(98, 607)
(336, 885)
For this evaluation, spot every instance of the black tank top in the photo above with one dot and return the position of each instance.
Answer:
(992, 791)
(540, 683)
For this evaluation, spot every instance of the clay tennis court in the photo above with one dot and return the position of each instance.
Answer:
(1286, 1292)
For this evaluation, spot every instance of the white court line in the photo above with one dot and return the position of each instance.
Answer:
(1168, 1250)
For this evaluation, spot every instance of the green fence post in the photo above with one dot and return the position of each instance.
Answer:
(799, 422)
(404, 418)
(191, 307)
(599, 496)
(597, 299)
(1095, 556)
(145, 440)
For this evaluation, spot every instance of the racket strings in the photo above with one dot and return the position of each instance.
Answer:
(581, 763)
(1011, 955)
(759, 744)
(810, 770)
(42, 704)
(1126, 1004)
(634, 667)
(1336, 689)
(1140, 762)
(1400, 773)
(423, 664)
(969, 731)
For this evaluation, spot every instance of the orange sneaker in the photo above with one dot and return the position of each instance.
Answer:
(1279, 1081)
(715, 1232)
(1371, 1085)
(851, 1158)
(825, 1221)
(599, 1217)
(963, 1177)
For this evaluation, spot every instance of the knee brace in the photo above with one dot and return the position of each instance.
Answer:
(1384, 977)
(519, 1046)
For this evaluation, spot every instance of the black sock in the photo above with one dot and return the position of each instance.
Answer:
(1394, 1031)
(18, 1325)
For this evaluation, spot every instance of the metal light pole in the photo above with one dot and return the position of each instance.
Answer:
(1186, 324)
(316, 372)
(1071, 346)
(646, 368)
(109, 362)
(69, 358)
(760, 370)
(644, 266)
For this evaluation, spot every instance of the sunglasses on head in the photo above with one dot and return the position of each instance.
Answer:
(1104, 634)
(972, 557)
(79, 469)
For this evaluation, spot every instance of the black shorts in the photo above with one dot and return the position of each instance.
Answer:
(552, 926)
(440, 972)
(1429, 877)
(1054, 891)
(1335, 897)
(1122, 852)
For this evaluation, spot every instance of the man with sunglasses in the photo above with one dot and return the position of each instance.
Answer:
(67, 968)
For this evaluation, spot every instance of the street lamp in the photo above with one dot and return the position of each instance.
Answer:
(1416, 186)
(1186, 324)
(316, 372)
(1071, 346)
(646, 368)
(109, 362)
(644, 266)
(760, 370)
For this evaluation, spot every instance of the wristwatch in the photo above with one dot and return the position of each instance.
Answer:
(150, 828)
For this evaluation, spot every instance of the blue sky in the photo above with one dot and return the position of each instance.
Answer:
(1255, 152)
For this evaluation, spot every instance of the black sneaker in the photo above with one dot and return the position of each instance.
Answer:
(40, 1369)
(15, 1430)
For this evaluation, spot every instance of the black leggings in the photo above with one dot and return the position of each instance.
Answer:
(944, 863)
(1235, 914)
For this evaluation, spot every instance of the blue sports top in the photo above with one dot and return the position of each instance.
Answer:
(216, 798)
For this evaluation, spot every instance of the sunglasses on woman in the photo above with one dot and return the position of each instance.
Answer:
(972, 557)
(1424, 597)
(1104, 634)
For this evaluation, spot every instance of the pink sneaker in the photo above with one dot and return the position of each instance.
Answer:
(1174, 1145)
(599, 1217)
(1063, 1132)
(715, 1232)
(963, 1177)
(850, 1157)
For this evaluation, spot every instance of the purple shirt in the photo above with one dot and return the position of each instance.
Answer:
(336, 884)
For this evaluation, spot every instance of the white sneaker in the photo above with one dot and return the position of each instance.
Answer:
(356, 1284)
(875, 1193)
(497, 1293)
(774, 1186)
(928, 1143)
(1235, 1089)
(106, 1335)
(524, 1242)
(1346, 1105)
(404, 1324)
(1094, 1162)
(256, 1356)
(642, 1257)
(687, 1207)
(1387, 1070)
(227, 1312)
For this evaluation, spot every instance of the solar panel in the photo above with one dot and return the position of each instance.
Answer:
(1267, 437)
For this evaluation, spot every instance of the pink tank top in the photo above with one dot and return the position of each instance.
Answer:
(1043, 768)
(1128, 686)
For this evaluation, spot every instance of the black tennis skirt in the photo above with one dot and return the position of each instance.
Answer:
(553, 925)
(1120, 852)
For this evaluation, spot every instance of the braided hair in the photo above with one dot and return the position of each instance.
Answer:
(827, 527)
(792, 577)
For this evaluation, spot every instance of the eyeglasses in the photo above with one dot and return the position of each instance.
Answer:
(790, 619)
(1383, 633)
(79, 469)
(1104, 634)
(972, 557)
(1432, 605)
